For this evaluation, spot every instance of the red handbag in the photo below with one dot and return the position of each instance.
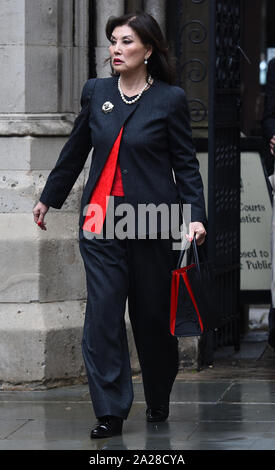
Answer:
(193, 307)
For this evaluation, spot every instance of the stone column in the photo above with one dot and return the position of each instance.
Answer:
(44, 63)
(156, 8)
(105, 9)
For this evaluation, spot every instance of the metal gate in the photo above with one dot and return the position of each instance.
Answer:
(224, 163)
(201, 32)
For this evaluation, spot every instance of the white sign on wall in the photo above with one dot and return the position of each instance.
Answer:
(256, 215)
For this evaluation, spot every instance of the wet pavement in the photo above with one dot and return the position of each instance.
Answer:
(228, 407)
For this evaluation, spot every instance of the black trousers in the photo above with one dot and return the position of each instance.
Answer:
(140, 270)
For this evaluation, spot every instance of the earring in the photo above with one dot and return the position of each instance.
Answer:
(146, 61)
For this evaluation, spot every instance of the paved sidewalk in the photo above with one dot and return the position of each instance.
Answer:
(228, 407)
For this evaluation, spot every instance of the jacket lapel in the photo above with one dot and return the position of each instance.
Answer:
(114, 120)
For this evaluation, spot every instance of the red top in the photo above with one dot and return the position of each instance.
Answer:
(117, 188)
(109, 183)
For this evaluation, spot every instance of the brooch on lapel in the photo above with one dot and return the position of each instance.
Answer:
(107, 107)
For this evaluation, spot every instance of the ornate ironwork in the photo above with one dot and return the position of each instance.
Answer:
(189, 38)
(198, 110)
(197, 33)
(197, 71)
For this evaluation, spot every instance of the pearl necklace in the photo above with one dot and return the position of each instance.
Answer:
(137, 97)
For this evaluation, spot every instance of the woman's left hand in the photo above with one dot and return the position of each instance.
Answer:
(196, 228)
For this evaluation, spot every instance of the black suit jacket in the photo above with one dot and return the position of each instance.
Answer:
(156, 139)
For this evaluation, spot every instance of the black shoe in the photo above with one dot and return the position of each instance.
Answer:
(158, 414)
(271, 338)
(107, 426)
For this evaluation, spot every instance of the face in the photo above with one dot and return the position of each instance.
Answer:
(127, 52)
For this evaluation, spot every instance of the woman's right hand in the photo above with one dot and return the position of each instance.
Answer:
(39, 212)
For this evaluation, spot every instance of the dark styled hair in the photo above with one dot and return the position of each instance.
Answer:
(160, 63)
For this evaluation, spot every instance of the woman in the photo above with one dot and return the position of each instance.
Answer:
(138, 125)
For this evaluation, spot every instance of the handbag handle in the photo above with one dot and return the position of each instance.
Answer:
(194, 249)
